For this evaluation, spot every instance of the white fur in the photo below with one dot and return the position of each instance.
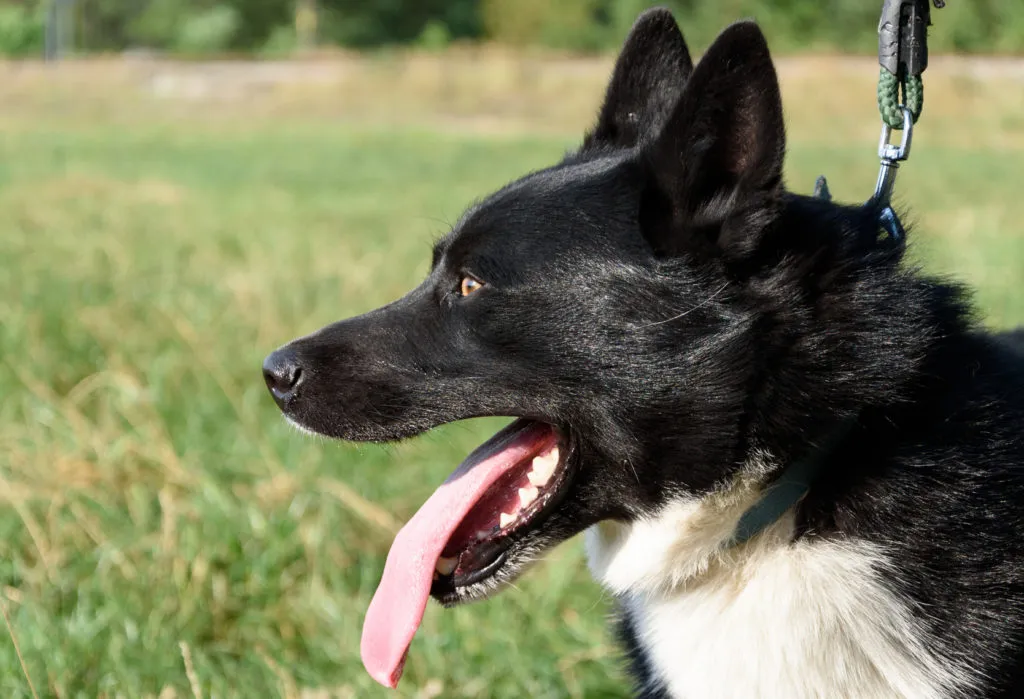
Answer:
(771, 618)
(300, 427)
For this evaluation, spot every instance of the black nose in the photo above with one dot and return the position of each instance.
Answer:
(283, 375)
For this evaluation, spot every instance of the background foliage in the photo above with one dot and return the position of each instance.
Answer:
(213, 26)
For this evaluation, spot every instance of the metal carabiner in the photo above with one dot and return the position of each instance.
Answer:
(891, 155)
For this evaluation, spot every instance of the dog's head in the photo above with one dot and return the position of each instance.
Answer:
(609, 303)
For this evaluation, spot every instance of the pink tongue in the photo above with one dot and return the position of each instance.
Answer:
(397, 607)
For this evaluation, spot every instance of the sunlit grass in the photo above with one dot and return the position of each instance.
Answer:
(154, 248)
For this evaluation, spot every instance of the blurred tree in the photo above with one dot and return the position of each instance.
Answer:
(161, 24)
(281, 25)
(208, 31)
(362, 23)
(567, 24)
(21, 30)
(305, 23)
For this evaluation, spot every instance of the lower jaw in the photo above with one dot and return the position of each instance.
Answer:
(470, 587)
(483, 573)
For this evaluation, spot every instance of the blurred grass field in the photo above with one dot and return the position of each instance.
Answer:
(162, 531)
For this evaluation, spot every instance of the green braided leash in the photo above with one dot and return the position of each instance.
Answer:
(889, 97)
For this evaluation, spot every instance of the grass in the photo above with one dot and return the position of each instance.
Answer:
(162, 532)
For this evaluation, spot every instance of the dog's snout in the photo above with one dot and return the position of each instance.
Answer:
(283, 374)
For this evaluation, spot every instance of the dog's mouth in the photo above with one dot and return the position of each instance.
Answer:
(465, 536)
(515, 504)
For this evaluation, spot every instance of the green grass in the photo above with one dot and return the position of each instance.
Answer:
(157, 517)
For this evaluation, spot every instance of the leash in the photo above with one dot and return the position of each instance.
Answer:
(790, 487)
(903, 57)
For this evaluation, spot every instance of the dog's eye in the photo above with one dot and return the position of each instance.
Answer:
(468, 285)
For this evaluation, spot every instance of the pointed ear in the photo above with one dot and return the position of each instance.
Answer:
(648, 79)
(724, 142)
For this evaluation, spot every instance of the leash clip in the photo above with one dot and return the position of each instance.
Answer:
(891, 155)
(903, 56)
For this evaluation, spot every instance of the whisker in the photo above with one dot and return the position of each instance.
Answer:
(705, 302)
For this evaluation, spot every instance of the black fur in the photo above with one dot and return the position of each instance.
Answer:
(648, 686)
(664, 300)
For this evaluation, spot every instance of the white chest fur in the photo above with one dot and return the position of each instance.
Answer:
(769, 618)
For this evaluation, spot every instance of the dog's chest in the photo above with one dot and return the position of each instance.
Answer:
(766, 640)
(795, 621)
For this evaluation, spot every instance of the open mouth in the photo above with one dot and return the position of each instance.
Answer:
(513, 505)
(464, 535)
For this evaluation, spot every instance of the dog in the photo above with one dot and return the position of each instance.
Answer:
(797, 461)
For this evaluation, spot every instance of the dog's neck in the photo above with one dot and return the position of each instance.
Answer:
(685, 539)
(785, 491)
(688, 535)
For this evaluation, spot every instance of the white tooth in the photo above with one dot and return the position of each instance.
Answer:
(527, 495)
(504, 520)
(544, 465)
(445, 566)
(538, 467)
(536, 479)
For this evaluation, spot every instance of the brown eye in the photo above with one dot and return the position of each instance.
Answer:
(469, 285)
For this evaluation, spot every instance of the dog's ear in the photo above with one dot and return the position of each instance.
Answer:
(721, 150)
(648, 79)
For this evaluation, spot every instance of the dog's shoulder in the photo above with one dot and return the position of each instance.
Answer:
(809, 617)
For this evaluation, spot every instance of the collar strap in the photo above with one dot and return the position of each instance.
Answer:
(790, 487)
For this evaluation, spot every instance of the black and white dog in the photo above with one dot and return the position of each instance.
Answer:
(799, 466)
